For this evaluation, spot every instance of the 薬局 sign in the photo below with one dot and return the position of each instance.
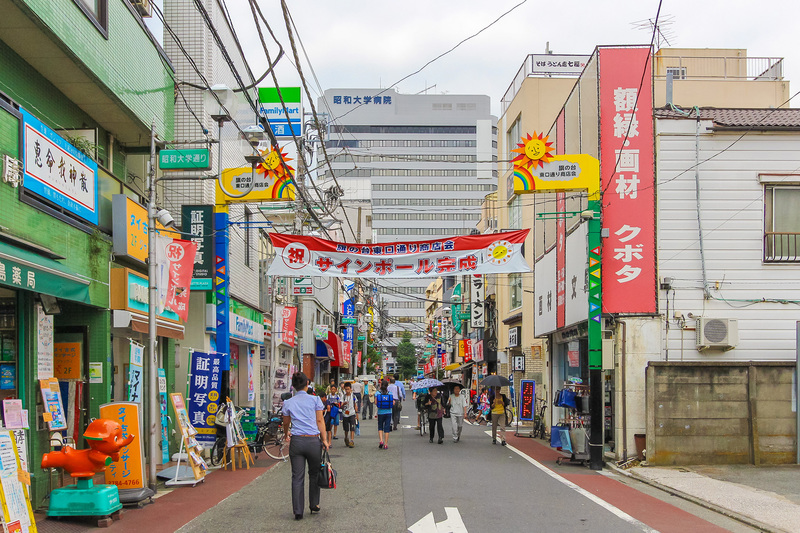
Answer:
(283, 122)
(626, 152)
(128, 472)
(57, 171)
(184, 159)
(196, 221)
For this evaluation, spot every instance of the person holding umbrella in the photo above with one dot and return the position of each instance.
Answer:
(499, 405)
(435, 413)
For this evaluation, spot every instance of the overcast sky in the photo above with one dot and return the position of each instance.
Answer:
(375, 43)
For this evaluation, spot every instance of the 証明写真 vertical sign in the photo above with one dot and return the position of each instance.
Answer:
(198, 223)
(204, 390)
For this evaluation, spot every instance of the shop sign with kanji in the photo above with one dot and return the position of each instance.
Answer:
(297, 255)
(204, 387)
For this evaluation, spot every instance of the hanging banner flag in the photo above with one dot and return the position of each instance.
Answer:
(203, 399)
(468, 350)
(162, 394)
(135, 373)
(298, 255)
(180, 255)
(289, 318)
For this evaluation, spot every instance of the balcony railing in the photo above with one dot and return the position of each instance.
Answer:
(781, 247)
(711, 68)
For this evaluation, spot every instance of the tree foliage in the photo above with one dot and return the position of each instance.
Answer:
(406, 357)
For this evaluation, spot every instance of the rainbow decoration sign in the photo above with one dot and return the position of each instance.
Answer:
(267, 187)
(561, 173)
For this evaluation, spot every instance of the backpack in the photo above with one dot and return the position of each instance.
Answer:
(384, 401)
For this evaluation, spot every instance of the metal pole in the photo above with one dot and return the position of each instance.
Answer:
(154, 406)
(797, 391)
(596, 385)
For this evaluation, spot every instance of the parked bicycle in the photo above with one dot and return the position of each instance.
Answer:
(539, 426)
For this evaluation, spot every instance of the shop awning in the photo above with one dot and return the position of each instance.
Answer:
(335, 343)
(323, 350)
(23, 269)
(452, 366)
(140, 323)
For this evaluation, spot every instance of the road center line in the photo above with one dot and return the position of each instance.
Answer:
(599, 501)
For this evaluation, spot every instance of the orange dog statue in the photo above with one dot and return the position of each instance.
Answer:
(105, 442)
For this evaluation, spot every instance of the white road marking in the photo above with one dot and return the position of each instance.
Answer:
(453, 523)
(619, 513)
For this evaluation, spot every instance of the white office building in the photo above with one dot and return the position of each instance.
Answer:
(420, 163)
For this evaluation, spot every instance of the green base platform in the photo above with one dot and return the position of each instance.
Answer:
(84, 499)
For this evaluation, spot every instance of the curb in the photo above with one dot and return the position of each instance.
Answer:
(749, 521)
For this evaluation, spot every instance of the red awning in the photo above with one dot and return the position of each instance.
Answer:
(335, 343)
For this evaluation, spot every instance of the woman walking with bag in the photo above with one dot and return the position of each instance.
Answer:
(435, 413)
(307, 439)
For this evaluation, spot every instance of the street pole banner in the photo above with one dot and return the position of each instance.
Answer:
(135, 373)
(180, 255)
(288, 322)
(300, 255)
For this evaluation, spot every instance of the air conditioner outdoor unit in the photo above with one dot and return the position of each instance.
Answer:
(143, 7)
(717, 333)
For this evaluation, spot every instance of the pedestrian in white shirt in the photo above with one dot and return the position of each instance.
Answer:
(458, 410)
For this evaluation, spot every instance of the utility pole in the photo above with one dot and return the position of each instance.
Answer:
(154, 417)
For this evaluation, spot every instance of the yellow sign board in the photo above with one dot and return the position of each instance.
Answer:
(569, 172)
(128, 472)
(267, 187)
(130, 228)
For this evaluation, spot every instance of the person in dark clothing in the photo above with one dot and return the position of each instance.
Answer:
(435, 413)
(303, 414)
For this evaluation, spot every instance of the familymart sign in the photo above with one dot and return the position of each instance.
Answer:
(284, 123)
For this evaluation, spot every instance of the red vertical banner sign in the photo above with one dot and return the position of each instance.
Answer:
(561, 233)
(288, 321)
(628, 180)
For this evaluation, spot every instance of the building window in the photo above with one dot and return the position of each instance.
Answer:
(678, 73)
(515, 290)
(515, 213)
(782, 224)
(512, 138)
(97, 12)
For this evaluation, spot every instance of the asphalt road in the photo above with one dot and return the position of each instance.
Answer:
(492, 487)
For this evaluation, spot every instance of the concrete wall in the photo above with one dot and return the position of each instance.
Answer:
(720, 413)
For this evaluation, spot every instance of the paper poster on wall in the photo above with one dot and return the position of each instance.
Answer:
(128, 472)
(95, 372)
(67, 360)
(251, 390)
(16, 498)
(12, 414)
(53, 406)
(44, 344)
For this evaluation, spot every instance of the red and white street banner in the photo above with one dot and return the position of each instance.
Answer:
(628, 180)
(468, 350)
(298, 255)
(288, 320)
(180, 255)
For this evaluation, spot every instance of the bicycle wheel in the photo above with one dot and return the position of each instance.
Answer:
(275, 446)
(423, 423)
(218, 451)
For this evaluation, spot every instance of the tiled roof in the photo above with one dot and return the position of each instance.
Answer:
(738, 117)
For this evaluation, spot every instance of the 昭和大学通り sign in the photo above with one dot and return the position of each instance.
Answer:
(298, 255)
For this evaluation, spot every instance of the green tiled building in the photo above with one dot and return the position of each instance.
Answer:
(81, 82)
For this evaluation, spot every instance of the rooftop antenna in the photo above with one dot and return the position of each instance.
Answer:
(547, 48)
(664, 31)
